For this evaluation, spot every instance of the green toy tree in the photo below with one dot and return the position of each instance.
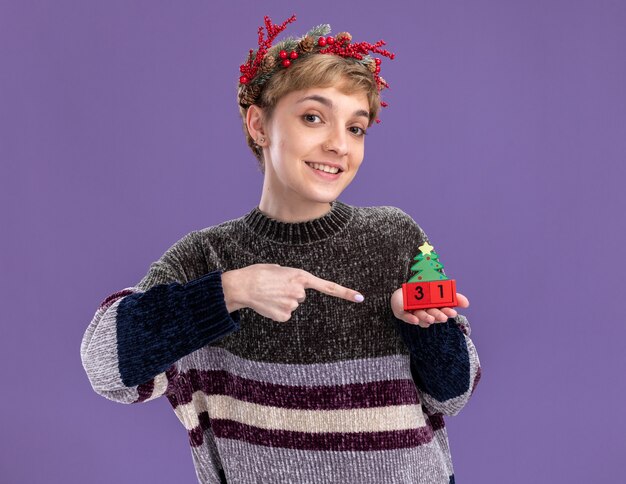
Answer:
(427, 267)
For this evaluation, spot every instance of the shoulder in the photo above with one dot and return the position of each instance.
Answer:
(388, 216)
(392, 226)
(180, 247)
(216, 233)
(193, 243)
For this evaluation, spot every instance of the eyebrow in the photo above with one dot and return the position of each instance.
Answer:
(327, 102)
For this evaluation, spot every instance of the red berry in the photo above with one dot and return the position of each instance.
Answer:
(321, 41)
(294, 54)
(378, 61)
(243, 80)
(377, 69)
(283, 54)
(330, 40)
(286, 63)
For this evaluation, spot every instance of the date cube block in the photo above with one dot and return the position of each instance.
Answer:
(429, 294)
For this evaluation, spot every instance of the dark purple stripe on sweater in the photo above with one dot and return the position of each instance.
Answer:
(145, 391)
(436, 421)
(462, 327)
(353, 395)
(114, 297)
(196, 435)
(365, 441)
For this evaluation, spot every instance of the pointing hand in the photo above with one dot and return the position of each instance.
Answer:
(275, 291)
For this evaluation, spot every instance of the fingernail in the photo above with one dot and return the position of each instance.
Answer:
(359, 298)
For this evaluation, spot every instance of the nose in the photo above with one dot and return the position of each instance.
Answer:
(337, 141)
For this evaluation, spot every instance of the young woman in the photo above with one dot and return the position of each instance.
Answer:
(279, 337)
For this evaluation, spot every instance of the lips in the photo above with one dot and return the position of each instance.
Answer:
(328, 163)
(325, 175)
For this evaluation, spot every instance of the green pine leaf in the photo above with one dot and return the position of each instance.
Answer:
(320, 30)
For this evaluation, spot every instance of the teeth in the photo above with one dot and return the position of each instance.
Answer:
(325, 168)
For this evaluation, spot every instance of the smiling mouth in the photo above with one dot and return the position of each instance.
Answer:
(323, 168)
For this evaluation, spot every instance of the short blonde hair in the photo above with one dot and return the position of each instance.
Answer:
(314, 70)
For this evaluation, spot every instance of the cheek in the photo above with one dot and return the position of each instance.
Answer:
(357, 156)
(291, 146)
(351, 175)
(279, 148)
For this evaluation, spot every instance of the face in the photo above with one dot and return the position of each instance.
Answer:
(313, 127)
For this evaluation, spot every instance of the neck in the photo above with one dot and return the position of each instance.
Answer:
(293, 211)
(297, 233)
(285, 205)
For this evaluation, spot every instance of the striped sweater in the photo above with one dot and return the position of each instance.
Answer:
(343, 392)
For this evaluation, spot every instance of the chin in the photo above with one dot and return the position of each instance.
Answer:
(323, 198)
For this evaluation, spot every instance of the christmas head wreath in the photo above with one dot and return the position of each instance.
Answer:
(263, 63)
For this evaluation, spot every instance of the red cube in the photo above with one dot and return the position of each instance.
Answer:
(429, 294)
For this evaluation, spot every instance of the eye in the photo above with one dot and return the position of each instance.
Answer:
(309, 115)
(360, 131)
(363, 132)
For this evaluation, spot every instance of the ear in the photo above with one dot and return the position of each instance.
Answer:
(255, 124)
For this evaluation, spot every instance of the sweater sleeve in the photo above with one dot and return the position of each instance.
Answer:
(444, 363)
(444, 360)
(132, 344)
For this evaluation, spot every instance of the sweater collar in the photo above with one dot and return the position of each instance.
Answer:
(300, 232)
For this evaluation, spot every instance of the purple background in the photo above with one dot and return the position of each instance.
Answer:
(504, 138)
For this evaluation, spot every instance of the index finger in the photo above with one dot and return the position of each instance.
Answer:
(332, 288)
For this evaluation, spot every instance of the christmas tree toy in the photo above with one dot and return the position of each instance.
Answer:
(429, 287)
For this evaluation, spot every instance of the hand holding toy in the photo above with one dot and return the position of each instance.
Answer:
(429, 295)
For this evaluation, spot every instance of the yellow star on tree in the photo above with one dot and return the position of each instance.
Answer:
(425, 248)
